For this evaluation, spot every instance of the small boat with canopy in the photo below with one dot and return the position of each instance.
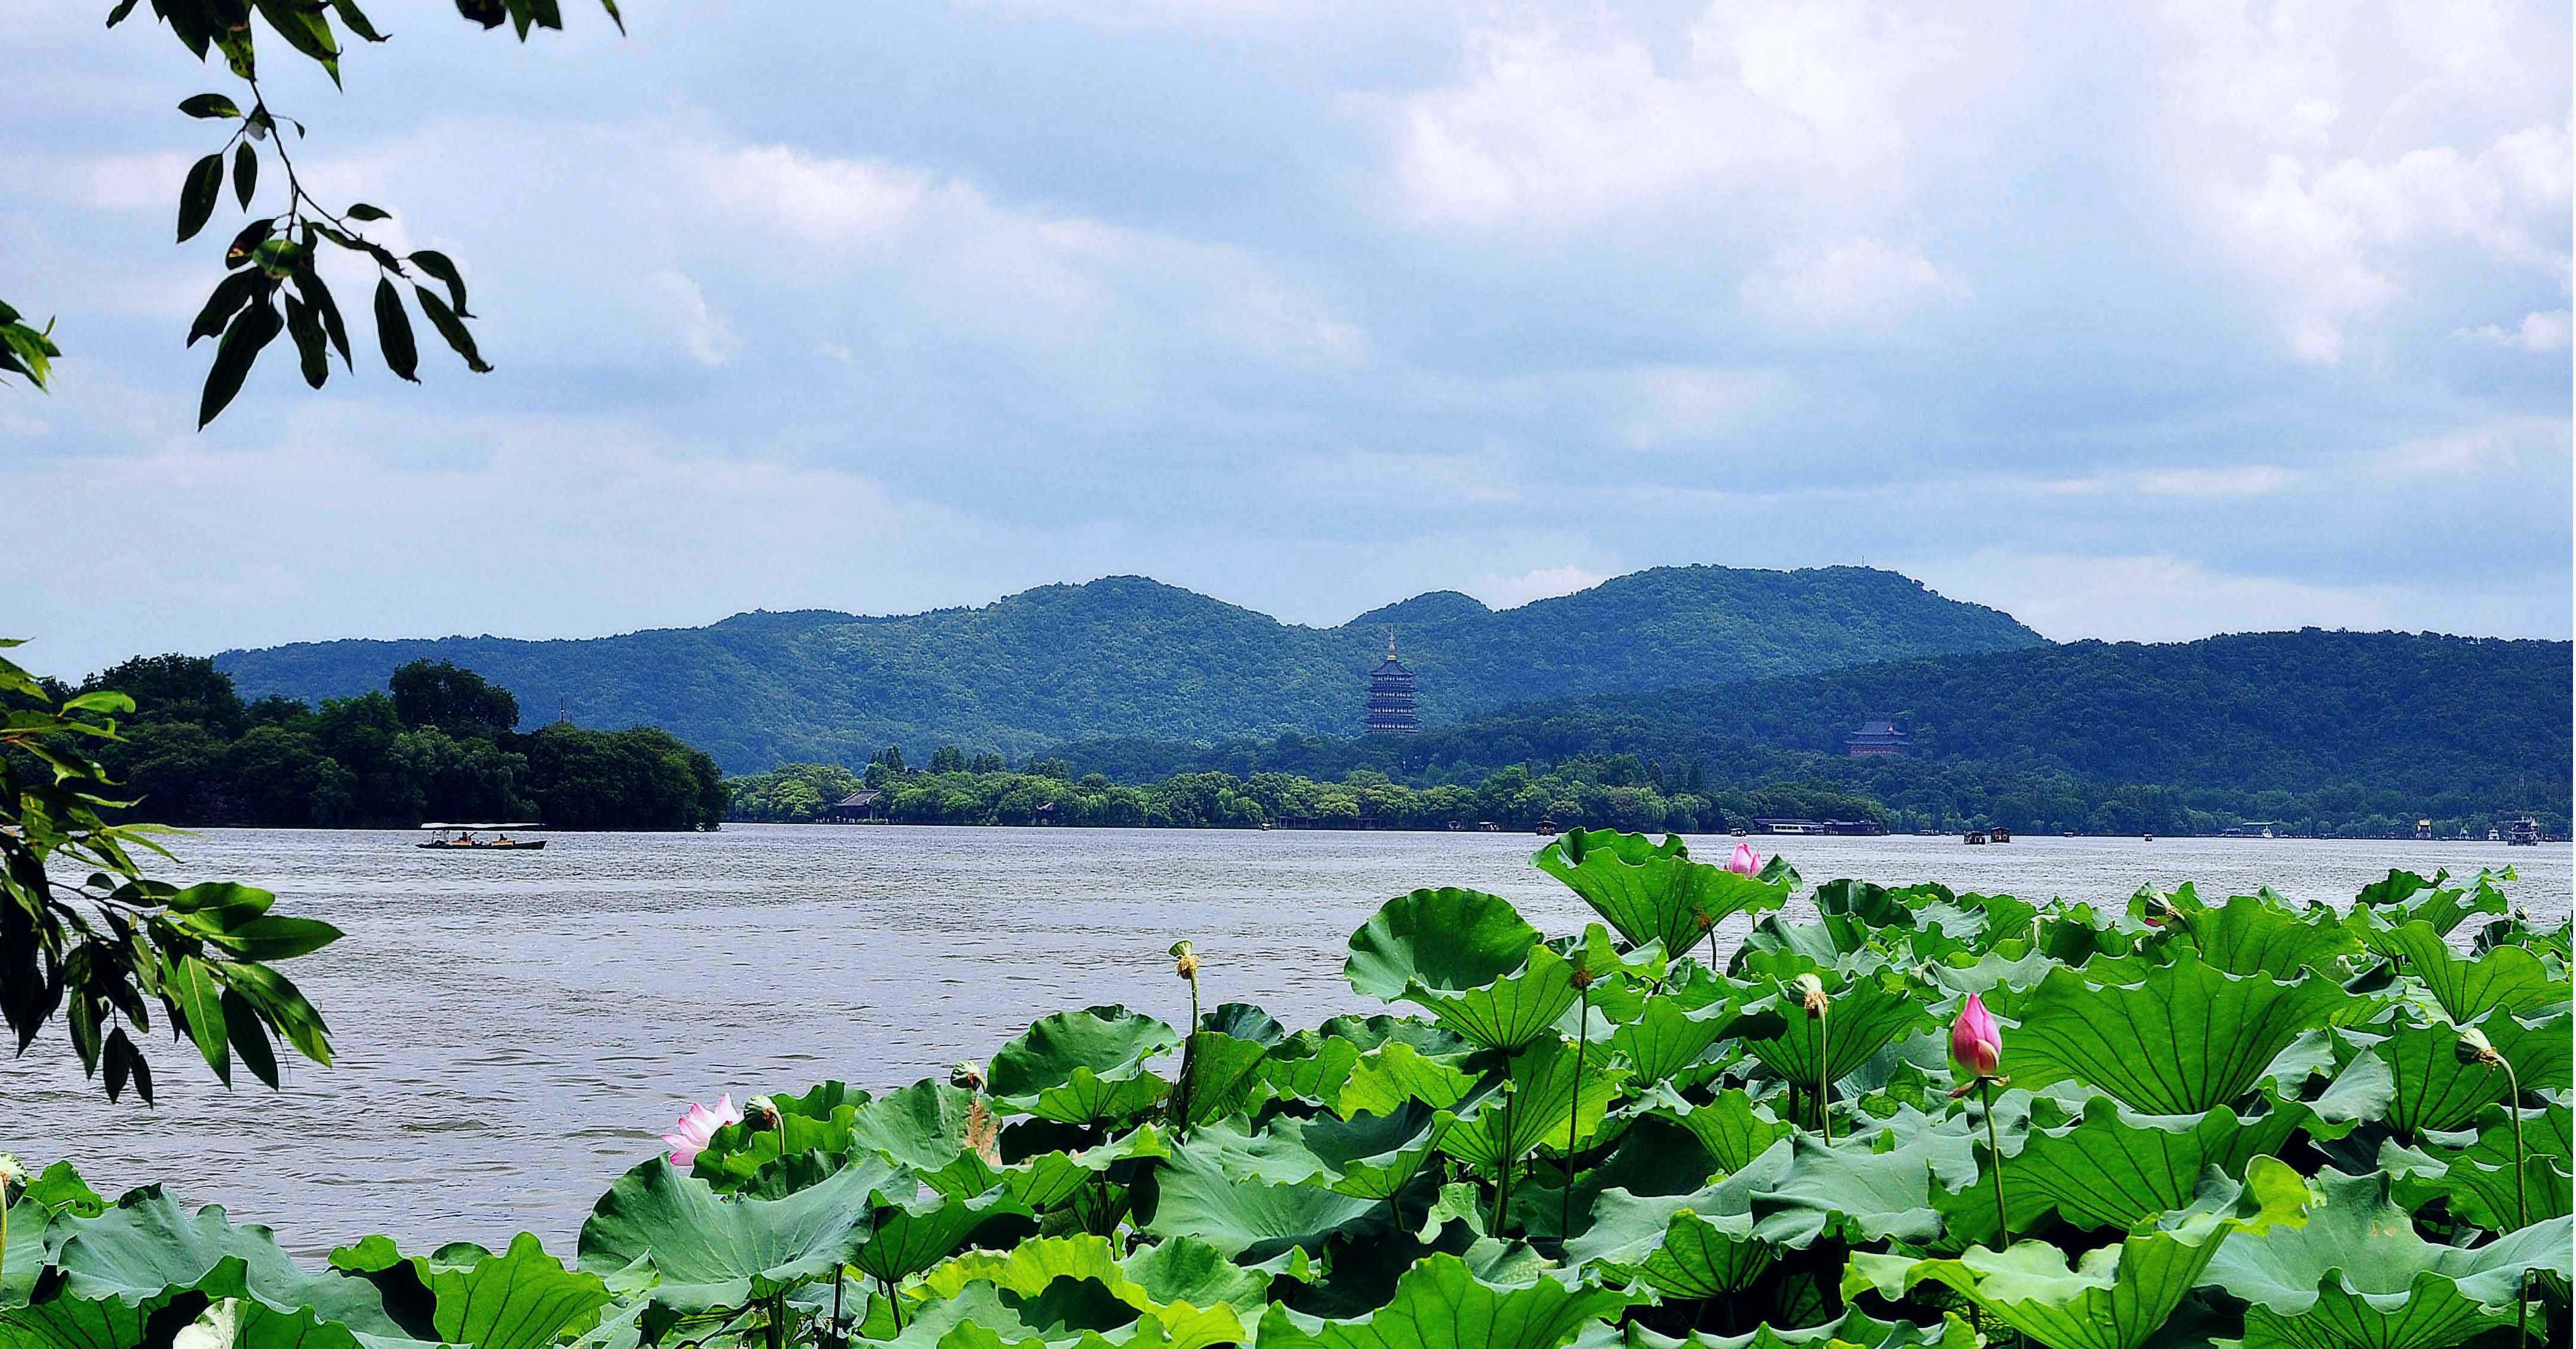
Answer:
(463, 837)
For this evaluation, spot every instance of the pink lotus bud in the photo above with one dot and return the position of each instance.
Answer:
(1745, 862)
(689, 1137)
(1976, 1042)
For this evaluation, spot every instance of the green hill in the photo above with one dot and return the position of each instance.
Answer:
(2344, 726)
(1127, 656)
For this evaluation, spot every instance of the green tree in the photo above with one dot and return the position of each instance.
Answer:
(99, 950)
(457, 701)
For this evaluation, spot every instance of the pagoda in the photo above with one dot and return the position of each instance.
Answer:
(1390, 704)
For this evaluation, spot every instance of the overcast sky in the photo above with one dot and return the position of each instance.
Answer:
(2139, 321)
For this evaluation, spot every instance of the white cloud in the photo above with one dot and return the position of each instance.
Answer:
(2335, 169)
(702, 332)
(1571, 116)
(1511, 592)
(1855, 285)
(2502, 444)
(2238, 481)
(1418, 479)
(2537, 332)
(1668, 406)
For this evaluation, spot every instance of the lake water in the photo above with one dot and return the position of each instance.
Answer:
(513, 1029)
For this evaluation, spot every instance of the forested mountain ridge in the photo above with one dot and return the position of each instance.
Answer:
(1128, 656)
(2366, 729)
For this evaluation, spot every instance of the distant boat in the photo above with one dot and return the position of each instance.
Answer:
(1999, 834)
(2525, 833)
(2493, 836)
(460, 838)
(2070, 833)
(1976, 837)
(2148, 838)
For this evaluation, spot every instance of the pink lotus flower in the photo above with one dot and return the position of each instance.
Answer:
(689, 1137)
(1745, 862)
(1976, 1042)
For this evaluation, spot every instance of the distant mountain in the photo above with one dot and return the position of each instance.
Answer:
(2340, 725)
(1127, 656)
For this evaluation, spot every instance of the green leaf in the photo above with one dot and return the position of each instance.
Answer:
(2116, 1297)
(1441, 1304)
(1688, 1245)
(236, 289)
(452, 328)
(197, 195)
(2355, 1274)
(245, 173)
(520, 1299)
(2262, 934)
(1248, 1219)
(2468, 987)
(1730, 1126)
(2114, 1167)
(438, 265)
(140, 1252)
(1444, 940)
(250, 332)
(913, 1234)
(278, 937)
(393, 332)
(715, 1252)
(1084, 1067)
(208, 105)
(2182, 1040)
(1854, 1329)
(1538, 1106)
(2478, 1179)
(1866, 1010)
(1653, 892)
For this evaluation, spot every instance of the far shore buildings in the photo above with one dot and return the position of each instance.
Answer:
(1390, 701)
(1877, 740)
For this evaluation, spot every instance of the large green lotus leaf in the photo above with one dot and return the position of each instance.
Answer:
(1867, 1009)
(2478, 1179)
(522, 1298)
(1031, 1270)
(2184, 1039)
(922, 1126)
(1731, 1126)
(1367, 1157)
(1552, 1098)
(2115, 1167)
(1680, 1245)
(2117, 1297)
(65, 1322)
(714, 1251)
(1249, 1220)
(2385, 906)
(1666, 1036)
(1224, 1076)
(1044, 1180)
(24, 1255)
(913, 1234)
(817, 1121)
(2434, 1090)
(1653, 892)
(1084, 1067)
(1384, 1079)
(133, 1254)
(1511, 1012)
(1443, 940)
(1854, 1329)
(2263, 934)
(1801, 1191)
(1441, 1304)
(2356, 1274)
(2468, 987)
(1315, 1065)
(1996, 975)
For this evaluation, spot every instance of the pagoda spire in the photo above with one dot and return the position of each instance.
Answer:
(1390, 702)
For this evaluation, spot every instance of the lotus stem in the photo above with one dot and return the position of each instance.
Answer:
(1994, 1145)
(2521, 1201)
(1574, 1109)
(778, 1321)
(840, 1277)
(1825, 1077)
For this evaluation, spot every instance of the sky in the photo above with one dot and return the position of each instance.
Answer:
(2139, 321)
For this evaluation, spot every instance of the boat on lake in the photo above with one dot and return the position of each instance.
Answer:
(2523, 833)
(1976, 837)
(1999, 834)
(461, 837)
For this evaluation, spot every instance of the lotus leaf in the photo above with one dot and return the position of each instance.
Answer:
(1084, 1067)
(1653, 892)
(1687, 1245)
(1387, 1077)
(2115, 1167)
(2356, 1274)
(1440, 1303)
(1866, 1010)
(714, 1252)
(2478, 1178)
(2182, 1040)
(1249, 1220)
(1731, 1126)
(133, 1255)
(2263, 934)
(1854, 1329)
(2116, 1297)
(1553, 1098)
(2468, 987)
